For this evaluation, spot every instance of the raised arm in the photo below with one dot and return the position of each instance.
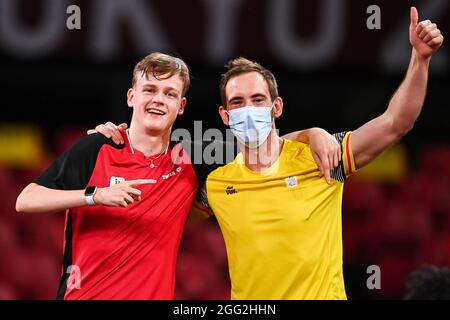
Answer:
(406, 104)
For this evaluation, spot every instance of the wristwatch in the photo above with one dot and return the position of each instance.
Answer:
(89, 194)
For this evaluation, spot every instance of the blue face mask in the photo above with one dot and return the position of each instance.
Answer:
(251, 125)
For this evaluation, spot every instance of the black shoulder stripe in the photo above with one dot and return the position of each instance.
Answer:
(73, 169)
(338, 173)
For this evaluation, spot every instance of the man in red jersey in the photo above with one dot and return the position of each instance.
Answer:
(122, 227)
(126, 205)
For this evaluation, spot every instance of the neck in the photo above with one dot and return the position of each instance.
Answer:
(148, 143)
(264, 156)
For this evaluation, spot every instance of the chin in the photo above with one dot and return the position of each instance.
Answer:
(157, 125)
(156, 128)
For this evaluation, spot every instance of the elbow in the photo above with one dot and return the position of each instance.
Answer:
(21, 202)
(20, 205)
(24, 200)
(403, 130)
(399, 128)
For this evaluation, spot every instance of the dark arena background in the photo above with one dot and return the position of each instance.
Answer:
(333, 72)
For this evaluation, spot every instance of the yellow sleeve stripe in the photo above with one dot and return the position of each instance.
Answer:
(349, 161)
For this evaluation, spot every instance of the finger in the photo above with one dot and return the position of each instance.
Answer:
(328, 169)
(331, 160)
(123, 204)
(110, 125)
(132, 191)
(431, 35)
(128, 198)
(414, 17)
(102, 129)
(139, 182)
(135, 198)
(336, 159)
(327, 175)
(436, 42)
(91, 131)
(115, 132)
(320, 171)
(427, 30)
(318, 163)
(422, 26)
(122, 126)
(116, 138)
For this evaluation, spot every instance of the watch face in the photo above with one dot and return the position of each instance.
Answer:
(90, 190)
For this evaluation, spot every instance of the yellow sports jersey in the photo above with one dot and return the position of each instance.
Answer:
(282, 227)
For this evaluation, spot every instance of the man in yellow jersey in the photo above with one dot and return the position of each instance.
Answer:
(280, 221)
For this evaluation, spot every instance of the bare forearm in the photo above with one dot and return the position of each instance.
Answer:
(38, 199)
(301, 135)
(374, 137)
(406, 104)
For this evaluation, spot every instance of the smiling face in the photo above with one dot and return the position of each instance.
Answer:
(156, 102)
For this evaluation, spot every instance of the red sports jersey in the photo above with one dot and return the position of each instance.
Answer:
(122, 253)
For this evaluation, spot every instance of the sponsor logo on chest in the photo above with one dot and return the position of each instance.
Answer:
(291, 182)
(171, 174)
(116, 180)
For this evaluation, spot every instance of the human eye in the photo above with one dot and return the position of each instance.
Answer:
(259, 100)
(149, 90)
(236, 103)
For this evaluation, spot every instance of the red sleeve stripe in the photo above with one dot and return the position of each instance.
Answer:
(347, 153)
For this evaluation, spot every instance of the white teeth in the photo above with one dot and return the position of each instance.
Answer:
(155, 112)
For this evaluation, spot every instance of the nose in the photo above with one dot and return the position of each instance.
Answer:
(158, 98)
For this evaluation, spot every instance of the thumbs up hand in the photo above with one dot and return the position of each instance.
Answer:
(424, 36)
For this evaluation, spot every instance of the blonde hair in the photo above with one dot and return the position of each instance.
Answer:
(160, 64)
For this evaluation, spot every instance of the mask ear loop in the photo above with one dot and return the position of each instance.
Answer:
(228, 114)
(271, 110)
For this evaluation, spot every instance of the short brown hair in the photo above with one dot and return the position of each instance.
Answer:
(160, 64)
(242, 65)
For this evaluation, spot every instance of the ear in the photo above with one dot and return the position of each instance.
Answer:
(224, 115)
(277, 107)
(130, 97)
(182, 106)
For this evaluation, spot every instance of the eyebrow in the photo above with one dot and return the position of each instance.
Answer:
(256, 95)
(154, 86)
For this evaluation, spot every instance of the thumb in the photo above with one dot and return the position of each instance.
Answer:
(122, 126)
(414, 17)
